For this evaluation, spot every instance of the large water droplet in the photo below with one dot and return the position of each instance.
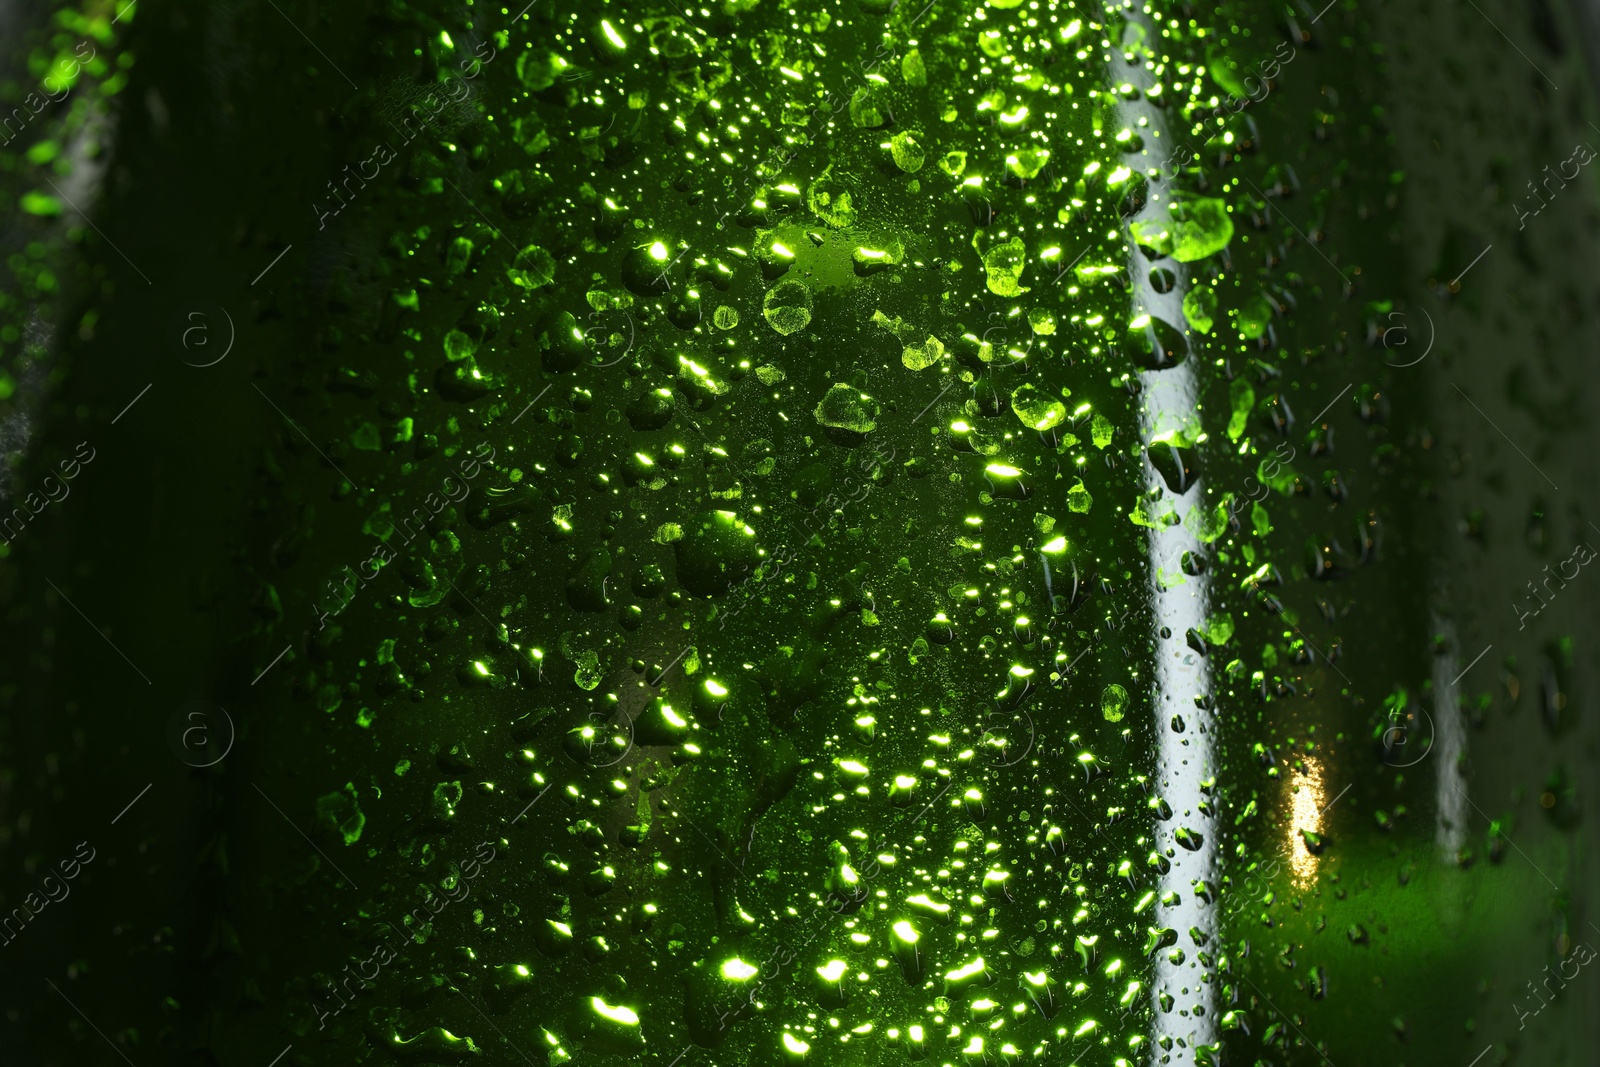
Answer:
(1113, 702)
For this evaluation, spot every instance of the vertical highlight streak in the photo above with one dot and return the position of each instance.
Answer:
(1183, 760)
(1450, 833)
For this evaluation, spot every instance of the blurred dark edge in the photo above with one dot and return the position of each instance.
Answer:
(158, 540)
(80, 733)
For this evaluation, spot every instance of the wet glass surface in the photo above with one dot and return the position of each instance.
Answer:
(980, 533)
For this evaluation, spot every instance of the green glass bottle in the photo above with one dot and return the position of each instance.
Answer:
(836, 533)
